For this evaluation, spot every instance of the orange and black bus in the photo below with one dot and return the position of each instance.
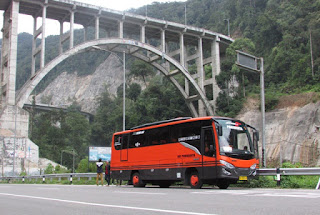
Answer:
(205, 150)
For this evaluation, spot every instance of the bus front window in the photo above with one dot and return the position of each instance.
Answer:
(235, 140)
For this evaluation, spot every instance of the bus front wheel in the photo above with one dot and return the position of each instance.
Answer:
(136, 180)
(223, 184)
(195, 181)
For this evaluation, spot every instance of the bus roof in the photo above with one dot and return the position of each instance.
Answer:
(161, 122)
(177, 120)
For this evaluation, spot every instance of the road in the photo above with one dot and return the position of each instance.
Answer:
(91, 199)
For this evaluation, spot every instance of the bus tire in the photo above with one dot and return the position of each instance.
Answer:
(136, 180)
(195, 181)
(223, 184)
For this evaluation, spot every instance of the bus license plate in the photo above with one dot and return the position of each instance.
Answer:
(243, 178)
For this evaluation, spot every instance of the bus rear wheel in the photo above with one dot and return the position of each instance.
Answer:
(195, 181)
(136, 180)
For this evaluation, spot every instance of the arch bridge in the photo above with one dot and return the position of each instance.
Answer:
(172, 48)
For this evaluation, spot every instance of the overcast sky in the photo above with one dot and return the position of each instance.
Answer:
(52, 27)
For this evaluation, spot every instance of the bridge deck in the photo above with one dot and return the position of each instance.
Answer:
(86, 13)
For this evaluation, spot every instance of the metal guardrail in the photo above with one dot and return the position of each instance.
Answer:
(288, 171)
(70, 176)
(260, 172)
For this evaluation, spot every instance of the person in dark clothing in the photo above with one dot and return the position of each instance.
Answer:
(99, 165)
(107, 173)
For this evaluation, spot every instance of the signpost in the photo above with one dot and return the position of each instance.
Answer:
(250, 63)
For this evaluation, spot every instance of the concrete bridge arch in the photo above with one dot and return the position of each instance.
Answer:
(117, 43)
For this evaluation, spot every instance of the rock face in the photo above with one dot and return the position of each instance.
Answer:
(292, 133)
(69, 88)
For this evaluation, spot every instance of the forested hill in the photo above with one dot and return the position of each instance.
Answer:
(283, 32)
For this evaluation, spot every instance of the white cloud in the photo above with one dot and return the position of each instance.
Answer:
(26, 22)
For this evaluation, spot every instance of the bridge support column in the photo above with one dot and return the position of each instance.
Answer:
(72, 28)
(41, 48)
(12, 119)
(97, 27)
(201, 108)
(61, 38)
(9, 55)
(215, 55)
(121, 29)
(143, 34)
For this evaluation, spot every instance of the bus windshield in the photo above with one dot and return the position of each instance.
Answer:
(235, 140)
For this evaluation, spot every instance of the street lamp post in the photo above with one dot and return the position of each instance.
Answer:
(124, 92)
(228, 21)
(124, 82)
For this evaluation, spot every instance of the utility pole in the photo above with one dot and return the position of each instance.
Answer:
(311, 53)
(185, 14)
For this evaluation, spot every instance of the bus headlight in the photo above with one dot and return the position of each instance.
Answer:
(253, 167)
(229, 165)
(226, 172)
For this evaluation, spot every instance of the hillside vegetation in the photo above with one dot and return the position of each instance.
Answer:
(285, 33)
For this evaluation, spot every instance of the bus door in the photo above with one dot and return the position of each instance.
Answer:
(124, 147)
(208, 151)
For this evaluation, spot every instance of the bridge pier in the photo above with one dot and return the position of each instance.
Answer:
(12, 117)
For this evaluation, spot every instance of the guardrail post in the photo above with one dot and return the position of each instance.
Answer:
(70, 179)
(278, 177)
(318, 185)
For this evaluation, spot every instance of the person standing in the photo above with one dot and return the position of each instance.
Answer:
(107, 172)
(99, 165)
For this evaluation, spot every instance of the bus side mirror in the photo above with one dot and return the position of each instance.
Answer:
(219, 130)
(256, 135)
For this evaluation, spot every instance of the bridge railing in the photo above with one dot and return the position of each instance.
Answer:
(278, 172)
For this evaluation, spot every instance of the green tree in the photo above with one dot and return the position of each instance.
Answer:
(140, 69)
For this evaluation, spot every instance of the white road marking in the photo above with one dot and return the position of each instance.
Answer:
(299, 195)
(253, 193)
(143, 193)
(105, 205)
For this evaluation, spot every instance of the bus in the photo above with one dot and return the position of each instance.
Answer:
(195, 151)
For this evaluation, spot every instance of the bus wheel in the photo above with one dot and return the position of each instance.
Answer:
(136, 180)
(195, 181)
(223, 184)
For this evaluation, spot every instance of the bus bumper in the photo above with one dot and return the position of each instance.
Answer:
(236, 174)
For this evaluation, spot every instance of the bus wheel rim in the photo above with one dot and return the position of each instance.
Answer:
(194, 180)
(135, 180)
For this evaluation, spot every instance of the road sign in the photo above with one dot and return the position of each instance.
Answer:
(247, 61)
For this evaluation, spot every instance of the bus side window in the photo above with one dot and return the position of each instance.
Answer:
(137, 140)
(190, 133)
(117, 142)
(158, 136)
(124, 141)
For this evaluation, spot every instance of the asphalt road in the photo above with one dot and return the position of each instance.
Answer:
(90, 199)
